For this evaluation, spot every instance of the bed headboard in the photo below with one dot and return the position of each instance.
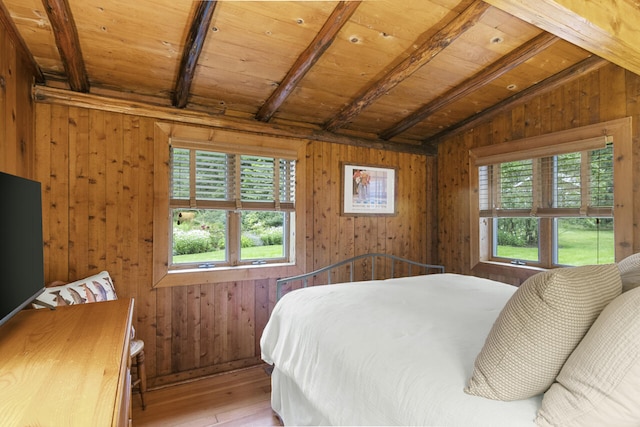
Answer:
(422, 268)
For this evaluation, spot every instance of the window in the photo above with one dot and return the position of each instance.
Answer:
(551, 201)
(225, 206)
(229, 208)
(563, 200)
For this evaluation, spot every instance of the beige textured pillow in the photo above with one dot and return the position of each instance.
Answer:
(630, 272)
(538, 328)
(600, 383)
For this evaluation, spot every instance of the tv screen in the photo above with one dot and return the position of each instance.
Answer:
(22, 255)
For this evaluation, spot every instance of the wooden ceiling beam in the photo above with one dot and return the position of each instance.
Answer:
(580, 69)
(607, 28)
(50, 95)
(68, 42)
(192, 50)
(325, 37)
(421, 56)
(503, 65)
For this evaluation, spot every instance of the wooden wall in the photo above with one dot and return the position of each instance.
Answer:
(97, 169)
(607, 94)
(16, 108)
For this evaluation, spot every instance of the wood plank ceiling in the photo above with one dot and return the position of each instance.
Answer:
(399, 74)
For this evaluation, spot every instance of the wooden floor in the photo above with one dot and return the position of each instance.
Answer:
(240, 398)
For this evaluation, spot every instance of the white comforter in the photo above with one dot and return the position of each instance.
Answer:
(393, 352)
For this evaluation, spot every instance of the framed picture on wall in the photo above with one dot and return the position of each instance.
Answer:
(368, 190)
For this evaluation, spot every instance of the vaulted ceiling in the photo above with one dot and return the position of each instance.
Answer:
(390, 73)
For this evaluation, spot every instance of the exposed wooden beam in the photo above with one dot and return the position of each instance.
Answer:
(49, 95)
(68, 42)
(480, 79)
(308, 58)
(10, 26)
(192, 49)
(607, 28)
(583, 67)
(422, 55)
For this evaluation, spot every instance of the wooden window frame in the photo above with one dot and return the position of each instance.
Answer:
(577, 139)
(234, 206)
(220, 140)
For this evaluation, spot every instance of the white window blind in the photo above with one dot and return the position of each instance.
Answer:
(207, 179)
(567, 184)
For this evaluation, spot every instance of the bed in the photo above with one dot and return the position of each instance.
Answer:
(406, 351)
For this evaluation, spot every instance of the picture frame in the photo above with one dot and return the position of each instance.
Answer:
(368, 190)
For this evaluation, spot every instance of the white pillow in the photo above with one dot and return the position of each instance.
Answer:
(599, 385)
(539, 327)
(630, 272)
(96, 288)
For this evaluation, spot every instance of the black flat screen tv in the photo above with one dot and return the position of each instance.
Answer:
(22, 255)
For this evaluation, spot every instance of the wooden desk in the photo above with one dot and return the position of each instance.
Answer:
(68, 366)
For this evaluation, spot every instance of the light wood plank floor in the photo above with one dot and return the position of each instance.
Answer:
(240, 398)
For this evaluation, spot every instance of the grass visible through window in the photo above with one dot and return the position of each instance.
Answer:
(575, 247)
(256, 252)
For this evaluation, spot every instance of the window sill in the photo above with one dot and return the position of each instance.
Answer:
(520, 272)
(199, 276)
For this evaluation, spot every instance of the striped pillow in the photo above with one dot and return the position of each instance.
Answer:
(538, 328)
(96, 288)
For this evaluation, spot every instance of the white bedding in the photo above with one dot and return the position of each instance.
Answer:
(393, 352)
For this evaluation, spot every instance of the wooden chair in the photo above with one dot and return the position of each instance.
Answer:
(137, 361)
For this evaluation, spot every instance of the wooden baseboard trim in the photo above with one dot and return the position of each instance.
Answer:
(196, 374)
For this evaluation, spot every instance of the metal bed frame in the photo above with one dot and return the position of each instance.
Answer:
(304, 278)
